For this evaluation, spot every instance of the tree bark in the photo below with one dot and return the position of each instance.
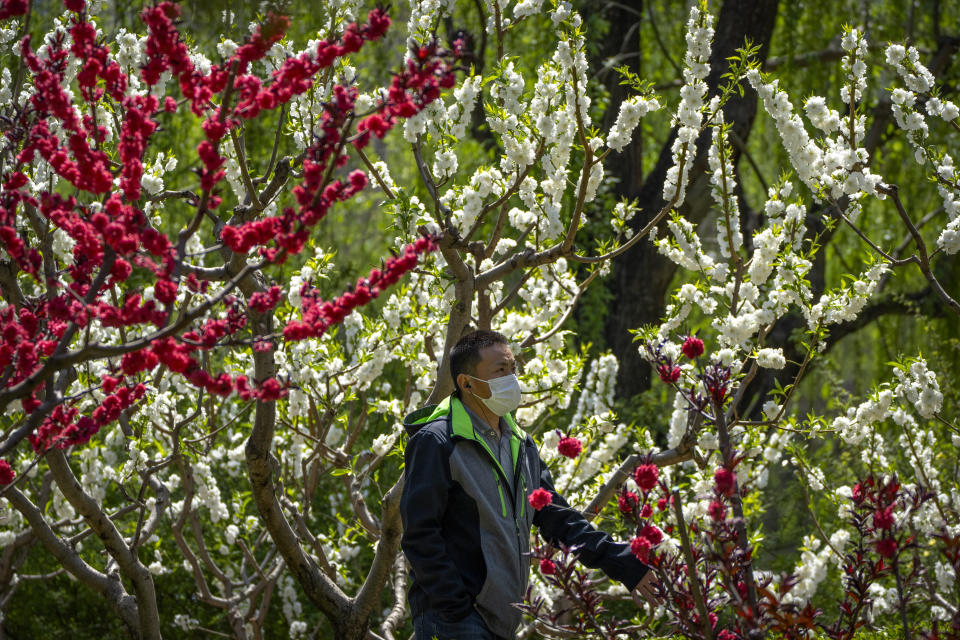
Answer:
(129, 565)
(109, 586)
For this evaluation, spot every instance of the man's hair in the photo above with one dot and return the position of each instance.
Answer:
(465, 355)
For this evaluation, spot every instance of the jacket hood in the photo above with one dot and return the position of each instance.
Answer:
(425, 415)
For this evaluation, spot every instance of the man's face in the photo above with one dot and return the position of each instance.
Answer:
(496, 361)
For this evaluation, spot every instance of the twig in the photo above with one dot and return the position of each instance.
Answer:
(375, 173)
(923, 260)
(244, 172)
(691, 567)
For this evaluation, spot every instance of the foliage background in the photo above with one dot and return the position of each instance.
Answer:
(59, 608)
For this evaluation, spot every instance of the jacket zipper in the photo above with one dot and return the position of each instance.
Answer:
(497, 472)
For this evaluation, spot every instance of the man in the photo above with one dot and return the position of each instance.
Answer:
(469, 471)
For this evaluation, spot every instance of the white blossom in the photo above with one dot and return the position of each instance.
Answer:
(771, 358)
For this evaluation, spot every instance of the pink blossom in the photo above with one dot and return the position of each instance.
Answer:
(539, 499)
(692, 347)
(569, 447)
(725, 481)
(646, 476)
(627, 501)
(7, 474)
(640, 547)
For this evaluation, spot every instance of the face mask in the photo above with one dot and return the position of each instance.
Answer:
(504, 394)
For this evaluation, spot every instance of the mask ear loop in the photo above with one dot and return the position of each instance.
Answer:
(475, 395)
(467, 386)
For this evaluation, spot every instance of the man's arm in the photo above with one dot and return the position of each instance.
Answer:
(559, 522)
(424, 500)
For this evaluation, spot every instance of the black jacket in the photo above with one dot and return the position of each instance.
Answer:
(467, 538)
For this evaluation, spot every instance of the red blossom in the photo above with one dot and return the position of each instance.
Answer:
(886, 547)
(725, 480)
(669, 373)
(214, 129)
(109, 383)
(646, 476)
(539, 499)
(121, 270)
(263, 301)
(270, 390)
(11, 8)
(136, 361)
(7, 473)
(569, 447)
(646, 511)
(165, 291)
(264, 36)
(627, 501)
(858, 493)
(883, 518)
(547, 567)
(716, 510)
(652, 533)
(317, 316)
(692, 347)
(62, 429)
(118, 229)
(640, 546)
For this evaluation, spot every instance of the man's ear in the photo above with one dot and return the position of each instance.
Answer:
(463, 381)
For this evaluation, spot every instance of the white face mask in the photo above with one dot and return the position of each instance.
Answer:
(504, 394)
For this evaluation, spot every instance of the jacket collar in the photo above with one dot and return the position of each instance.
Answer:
(461, 426)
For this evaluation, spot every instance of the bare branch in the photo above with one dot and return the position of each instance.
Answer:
(683, 452)
(110, 587)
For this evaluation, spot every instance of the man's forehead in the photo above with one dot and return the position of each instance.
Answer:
(496, 353)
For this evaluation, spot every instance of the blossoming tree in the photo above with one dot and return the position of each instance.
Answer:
(190, 401)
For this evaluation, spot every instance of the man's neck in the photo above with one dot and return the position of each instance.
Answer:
(481, 410)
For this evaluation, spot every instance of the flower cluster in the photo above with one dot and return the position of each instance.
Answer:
(61, 429)
(729, 237)
(539, 498)
(410, 92)
(631, 110)
(569, 446)
(639, 509)
(7, 474)
(102, 244)
(317, 316)
(805, 156)
(689, 115)
(918, 387)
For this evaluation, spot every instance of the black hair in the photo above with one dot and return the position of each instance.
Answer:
(465, 355)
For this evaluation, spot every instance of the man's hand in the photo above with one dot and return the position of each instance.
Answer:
(644, 589)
